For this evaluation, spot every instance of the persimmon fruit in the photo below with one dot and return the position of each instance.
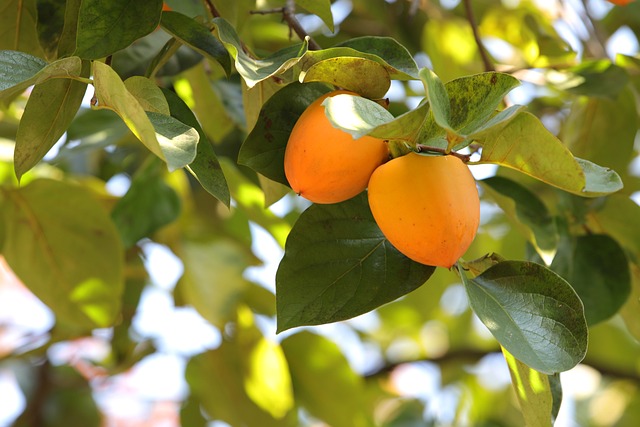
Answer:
(326, 165)
(427, 207)
(621, 2)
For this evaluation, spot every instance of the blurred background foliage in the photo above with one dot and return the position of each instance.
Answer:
(195, 337)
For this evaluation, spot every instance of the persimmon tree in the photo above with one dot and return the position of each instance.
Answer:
(193, 104)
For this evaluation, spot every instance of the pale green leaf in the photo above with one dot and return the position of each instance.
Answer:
(51, 107)
(324, 383)
(148, 94)
(105, 27)
(346, 72)
(356, 115)
(438, 99)
(179, 142)
(385, 50)
(533, 392)
(338, 265)
(19, 70)
(18, 19)
(532, 312)
(600, 181)
(62, 244)
(320, 8)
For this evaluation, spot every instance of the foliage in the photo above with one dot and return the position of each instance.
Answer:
(192, 104)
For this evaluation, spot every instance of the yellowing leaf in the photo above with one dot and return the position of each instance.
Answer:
(148, 94)
(18, 19)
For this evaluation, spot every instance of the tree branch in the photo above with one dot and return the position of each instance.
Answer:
(488, 65)
(464, 157)
(289, 16)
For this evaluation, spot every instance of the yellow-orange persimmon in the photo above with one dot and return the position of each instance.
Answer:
(621, 2)
(325, 164)
(427, 207)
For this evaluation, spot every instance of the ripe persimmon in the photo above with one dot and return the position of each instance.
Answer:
(325, 164)
(621, 2)
(427, 207)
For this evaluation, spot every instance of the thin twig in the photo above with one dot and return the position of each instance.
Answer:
(488, 65)
(212, 9)
(289, 16)
(464, 157)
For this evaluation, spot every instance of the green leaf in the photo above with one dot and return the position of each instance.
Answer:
(212, 281)
(356, 115)
(600, 181)
(179, 142)
(205, 167)
(612, 217)
(438, 99)
(253, 70)
(67, 42)
(197, 36)
(323, 381)
(51, 108)
(533, 392)
(320, 8)
(148, 94)
(19, 70)
(347, 72)
(597, 268)
(338, 265)
(232, 381)
(532, 312)
(50, 25)
(394, 56)
(528, 212)
(63, 246)
(18, 27)
(595, 78)
(170, 140)
(263, 149)
(107, 27)
(524, 144)
(148, 205)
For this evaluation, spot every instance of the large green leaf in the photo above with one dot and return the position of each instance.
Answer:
(438, 99)
(321, 8)
(613, 218)
(51, 107)
(253, 70)
(205, 167)
(597, 268)
(263, 150)
(346, 72)
(50, 25)
(62, 244)
(148, 205)
(105, 27)
(197, 36)
(18, 19)
(394, 56)
(532, 312)
(323, 381)
(534, 392)
(67, 42)
(524, 144)
(525, 209)
(338, 265)
(356, 115)
(169, 139)
(148, 94)
(19, 70)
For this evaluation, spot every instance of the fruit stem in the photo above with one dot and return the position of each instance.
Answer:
(398, 148)
(426, 148)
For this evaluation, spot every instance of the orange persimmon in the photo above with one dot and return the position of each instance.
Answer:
(427, 207)
(326, 165)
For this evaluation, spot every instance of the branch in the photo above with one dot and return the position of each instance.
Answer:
(488, 65)
(212, 9)
(289, 16)
(33, 415)
(464, 157)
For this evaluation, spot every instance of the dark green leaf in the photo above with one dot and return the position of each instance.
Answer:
(323, 381)
(105, 27)
(148, 205)
(205, 167)
(532, 312)
(67, 42)
(253, 70)
(50, 24)
(526, 209)
(597, 268)
(50, 109)
(263, 150)
(346, 72)
(197, 36)
(70, 258)
(338, 265)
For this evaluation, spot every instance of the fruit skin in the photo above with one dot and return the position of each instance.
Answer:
(621, 2)
(325, 164)
(427, 207)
